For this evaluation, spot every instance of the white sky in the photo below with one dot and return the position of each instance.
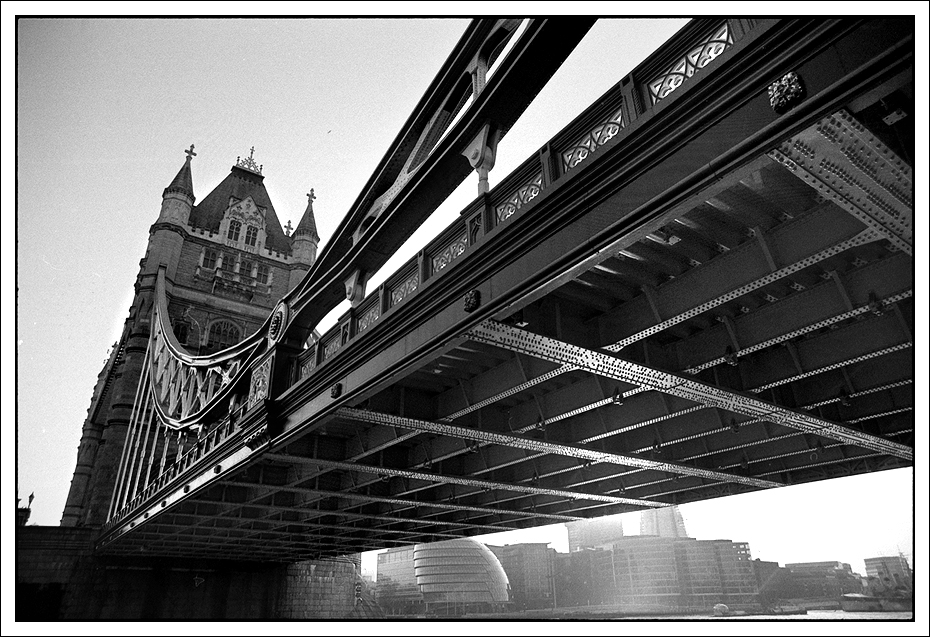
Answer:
(105, 110)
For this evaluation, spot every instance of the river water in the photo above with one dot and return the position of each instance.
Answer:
(815, 615)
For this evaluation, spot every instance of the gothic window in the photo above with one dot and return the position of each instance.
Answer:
(222, 335)
(245, 268)
(228, 262)
(209, 259)
(262, 274)
(233, 234)
(181, 330)
(251, 235)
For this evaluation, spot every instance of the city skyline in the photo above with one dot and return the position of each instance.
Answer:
(91, 218)
(704, 522)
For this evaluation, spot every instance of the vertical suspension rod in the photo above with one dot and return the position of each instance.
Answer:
(140, 416)
(155, 432)
(130, 432)
(145, 442)
(164, 451)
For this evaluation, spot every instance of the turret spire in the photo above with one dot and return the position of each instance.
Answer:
(307, 223)
(183, 182)
(178, 198)
(305, 239)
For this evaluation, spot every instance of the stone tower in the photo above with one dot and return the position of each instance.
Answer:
(227, 262)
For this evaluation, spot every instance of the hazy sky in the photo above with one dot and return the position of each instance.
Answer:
(105, 110)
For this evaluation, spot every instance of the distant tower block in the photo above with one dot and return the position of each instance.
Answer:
(593, 533)
(665, 522)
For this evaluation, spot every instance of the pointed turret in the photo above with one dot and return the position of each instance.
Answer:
(178, 197)
(305, 239)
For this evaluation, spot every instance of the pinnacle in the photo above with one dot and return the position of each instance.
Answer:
(183, 182)
(307, 223)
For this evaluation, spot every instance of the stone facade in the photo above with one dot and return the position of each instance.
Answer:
(227, 261)
(59, 578)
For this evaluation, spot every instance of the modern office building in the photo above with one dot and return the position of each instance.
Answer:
(773, 581)
(665, 522)
(823, 580)
(595, 532)
(448, 578)
(397, 590)
(892, 571)
(530, 569)
(650, 573)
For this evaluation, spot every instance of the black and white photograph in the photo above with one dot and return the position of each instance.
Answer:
(432, 322)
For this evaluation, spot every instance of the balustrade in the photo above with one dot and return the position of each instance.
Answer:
(182, 389)
(603, 123)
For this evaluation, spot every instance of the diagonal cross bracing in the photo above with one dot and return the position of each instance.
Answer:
(610, 366)
(529, 444)
(863, 237)
(410, 503)
(470, 482)
(838, 318)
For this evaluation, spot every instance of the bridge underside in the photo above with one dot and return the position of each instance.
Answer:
(755, 333)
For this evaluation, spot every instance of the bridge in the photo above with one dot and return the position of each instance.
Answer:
(702, 286)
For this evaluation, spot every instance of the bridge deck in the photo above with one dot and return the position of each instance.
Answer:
(673, 302)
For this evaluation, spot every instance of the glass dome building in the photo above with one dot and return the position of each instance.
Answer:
(453, 577)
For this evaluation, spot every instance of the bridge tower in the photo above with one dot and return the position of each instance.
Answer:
(227, 261)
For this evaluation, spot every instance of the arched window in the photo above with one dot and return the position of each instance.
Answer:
(222, 335)
(233, 234)
(262, 274)
(228, 262)
(251, 235)
(245, 268)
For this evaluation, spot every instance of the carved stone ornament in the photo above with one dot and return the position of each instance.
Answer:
(786, 92)
(258, 438)
(472, 301)
(336, 390)
(276, 328)
(258, 388)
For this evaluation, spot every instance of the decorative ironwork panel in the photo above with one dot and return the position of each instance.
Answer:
(332, 346)
(405, 289)
(786, 92)
(524, 194)
(258, 387)
(450, 253)
(474, 228)
(184, 390)
(693, 61)
(592, 140)
(307, 367)
(368, 318)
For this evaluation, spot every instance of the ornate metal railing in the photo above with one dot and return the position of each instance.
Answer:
(681, 70)
(601, 126)
(187, 407)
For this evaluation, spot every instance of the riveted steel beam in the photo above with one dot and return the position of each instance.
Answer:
(530, 444)
(845, 162)
(812, 309)
(802, 243)
(344, 495)
(469, 482)
(606, 364)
